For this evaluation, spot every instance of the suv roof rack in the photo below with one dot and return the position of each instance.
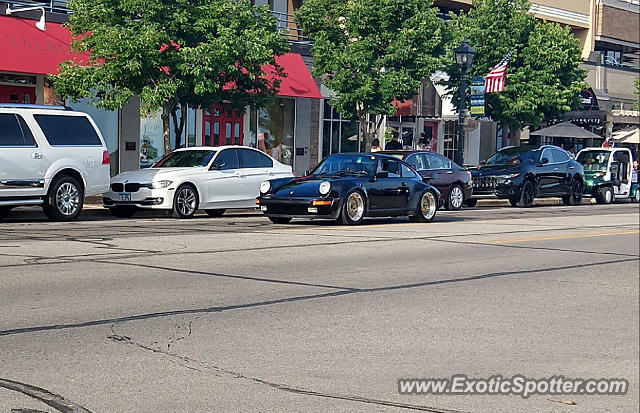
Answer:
(30, 106)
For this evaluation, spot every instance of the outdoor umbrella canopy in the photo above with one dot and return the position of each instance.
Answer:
(565, 130)
(629, 135)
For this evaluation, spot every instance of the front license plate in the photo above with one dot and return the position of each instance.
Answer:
(126, 197)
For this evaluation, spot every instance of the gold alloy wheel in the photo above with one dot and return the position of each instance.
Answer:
(428, 205)
(355, 206)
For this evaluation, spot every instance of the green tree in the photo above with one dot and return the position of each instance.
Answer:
(543, 76)
(171, 53)
(371, 52)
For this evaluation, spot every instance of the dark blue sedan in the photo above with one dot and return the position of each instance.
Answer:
(350, 187)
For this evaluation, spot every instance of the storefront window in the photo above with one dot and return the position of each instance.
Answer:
(450, 138)
(339, 135)
(272, 129)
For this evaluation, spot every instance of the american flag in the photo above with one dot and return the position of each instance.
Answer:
(497, 77)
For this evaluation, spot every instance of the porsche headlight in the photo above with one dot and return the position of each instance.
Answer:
(265, 187)
(161, 184)
(511, 176)
(324, 188)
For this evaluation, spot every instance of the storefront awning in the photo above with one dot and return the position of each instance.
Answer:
(298, 82)
(26, 49)
(628, 135)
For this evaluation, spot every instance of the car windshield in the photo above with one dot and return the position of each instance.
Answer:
(185, 159)
(513, 156)
(594, 160)
(347, 165)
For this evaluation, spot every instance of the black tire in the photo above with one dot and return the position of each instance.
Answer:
(455, 200)
(605, 195)
(514, 201)
(280, 220)
(185, 201)
(527, 194)
(353, 208)
(575, 198)
(4, 212)
(471, 202)
(636, 198)
(64, 200)
(123, 211)
(427, 208)
(215, 213)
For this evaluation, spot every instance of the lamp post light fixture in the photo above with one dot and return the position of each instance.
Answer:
(41, 25)
(464, 57)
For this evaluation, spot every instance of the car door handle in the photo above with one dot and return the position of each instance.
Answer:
(572, 167)
(238, 174)
(555, 169)
(36, 155)
(449, 172)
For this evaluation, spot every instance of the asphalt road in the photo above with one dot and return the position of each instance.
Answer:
(236, 314)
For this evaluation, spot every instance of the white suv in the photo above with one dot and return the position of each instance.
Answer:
(50, 156)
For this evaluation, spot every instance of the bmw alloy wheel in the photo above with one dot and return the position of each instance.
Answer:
(355, 206)
(428, 205)
(67, 199)
(456, 197)
(186, 201)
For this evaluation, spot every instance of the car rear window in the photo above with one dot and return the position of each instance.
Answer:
(248, 158)
(265, 161)
(61, 130)
(14, 131)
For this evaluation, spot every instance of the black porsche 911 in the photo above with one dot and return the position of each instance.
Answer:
(350, 187)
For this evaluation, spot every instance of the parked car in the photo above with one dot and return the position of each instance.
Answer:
(50, 156)
(350, 187)
(521, 174)
(210, 178)
(453, 181)
(608, 174)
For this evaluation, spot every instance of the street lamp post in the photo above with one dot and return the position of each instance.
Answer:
(464, 58)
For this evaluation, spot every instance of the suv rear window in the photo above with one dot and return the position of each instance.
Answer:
(14, 131)
(61, 130)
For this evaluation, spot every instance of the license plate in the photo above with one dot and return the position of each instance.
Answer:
(126, 197)
(263, 208)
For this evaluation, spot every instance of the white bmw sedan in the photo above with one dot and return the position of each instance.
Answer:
(210, 178)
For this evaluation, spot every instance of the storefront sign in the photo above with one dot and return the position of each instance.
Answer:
(477, 96)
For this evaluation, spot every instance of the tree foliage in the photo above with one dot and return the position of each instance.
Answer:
(543, 76)
(371, 52)
(171, 53)
(636, 105)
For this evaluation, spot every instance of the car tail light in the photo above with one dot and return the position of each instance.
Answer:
(106, 158)
(469, 174)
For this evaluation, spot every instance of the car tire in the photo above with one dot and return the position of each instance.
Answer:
(215, 213)
(427, 208)
(527, 194)
(185, 201)
(455, 198)
(471, 202)
(353, 208)
(123, 211)
(64, 200)
(4, 212)
(635, 199)
(605, 195)
(575, 198)
(280, 220)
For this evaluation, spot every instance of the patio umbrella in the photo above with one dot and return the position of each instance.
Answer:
(565, 130)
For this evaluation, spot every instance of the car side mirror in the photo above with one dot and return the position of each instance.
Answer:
(382, 174)
(217, 166)
(544, 161)
(483, 162)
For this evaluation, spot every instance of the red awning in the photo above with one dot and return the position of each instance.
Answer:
(26, 49)
(298, 83)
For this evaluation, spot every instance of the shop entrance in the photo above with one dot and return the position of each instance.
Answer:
(17, 94)
(222, 125)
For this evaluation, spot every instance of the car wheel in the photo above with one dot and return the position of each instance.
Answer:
(455, 198)
(4, 211)
(123, 211)
(575, 198)
(427, 208)
(606, 194)
(353, 208)
(514, 201)
(215, 213)
(633, 199)
(280, 220)
(64, 200)
(471, 202)
(527, 194)
(185, 202)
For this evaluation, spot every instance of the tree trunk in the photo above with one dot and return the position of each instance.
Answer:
(166, 127)
(368, 133)
(178, 128)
